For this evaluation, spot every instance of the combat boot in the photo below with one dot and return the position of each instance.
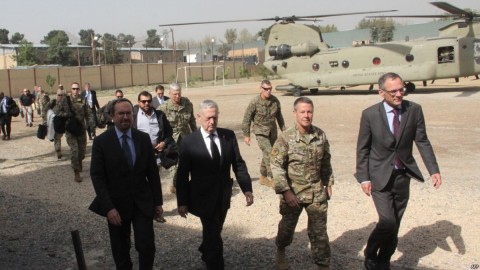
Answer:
(281, 262)
(322, 267)
(77, 178)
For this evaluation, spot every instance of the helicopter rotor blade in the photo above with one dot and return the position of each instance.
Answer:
(451, 9)
(212, 22)
(345, 14)
(414, 16)
(455, 13)
(277, 18)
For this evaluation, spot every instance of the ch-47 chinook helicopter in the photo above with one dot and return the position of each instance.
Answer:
(298, 53)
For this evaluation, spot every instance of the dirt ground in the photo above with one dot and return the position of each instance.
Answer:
(40, 204)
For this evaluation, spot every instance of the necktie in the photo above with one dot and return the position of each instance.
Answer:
(126, 150)
(396, 131)
(214, 149)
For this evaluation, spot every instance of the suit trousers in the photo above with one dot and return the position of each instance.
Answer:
(212, 243)
(390, 204)
(144, 241)
(6, 123)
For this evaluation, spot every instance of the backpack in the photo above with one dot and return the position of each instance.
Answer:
(14, 109)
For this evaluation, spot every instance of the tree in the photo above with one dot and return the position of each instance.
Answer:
(86, 38)
(58, 51)
(110, 46)
(245, 36)
(224, 49)
(328, 28)
(126, 40)
(381, 29)
(261, 34)
(207, 43)
(4, 36)
(153, 40)
(231, 35)
(50, 80)
(16, 38)
(185, 44)
(26, 54)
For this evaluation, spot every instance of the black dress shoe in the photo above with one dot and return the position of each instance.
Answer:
(370, 264)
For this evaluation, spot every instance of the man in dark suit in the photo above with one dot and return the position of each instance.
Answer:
(206, 157)
(6, 105)
(90, 97)
(385, 163)
(125, 177)
(160, 98)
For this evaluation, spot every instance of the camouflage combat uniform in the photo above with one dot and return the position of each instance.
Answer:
(301, 163)
(57, 139)
(40, 101)
(263, 113)
(182, 120)
(77, 144)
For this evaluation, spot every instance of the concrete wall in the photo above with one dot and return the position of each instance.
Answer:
(13, 81)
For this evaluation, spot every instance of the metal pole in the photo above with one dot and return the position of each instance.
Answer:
(92, 39)
(77, 244)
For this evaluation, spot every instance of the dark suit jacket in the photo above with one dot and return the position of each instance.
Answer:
(377, 147)
(116, 184)
(210, 187)
(156, 103)
(95, 104)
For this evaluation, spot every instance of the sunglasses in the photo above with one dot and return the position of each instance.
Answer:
(119, 96)
(267, 88)
(75, 88)
(146, 100)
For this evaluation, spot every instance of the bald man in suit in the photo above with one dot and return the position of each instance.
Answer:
(385, 164)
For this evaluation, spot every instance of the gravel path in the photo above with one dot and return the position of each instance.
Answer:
(40, 204)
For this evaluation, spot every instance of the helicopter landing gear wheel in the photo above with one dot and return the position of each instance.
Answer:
(410, 87)
(342, 88)
(297, 93)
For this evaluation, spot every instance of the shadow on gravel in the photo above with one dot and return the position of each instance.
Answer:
(36, 222)
(425, 239)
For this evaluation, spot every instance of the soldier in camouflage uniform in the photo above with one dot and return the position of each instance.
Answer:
(77, 144)
(41, 99)
(263, 110)
(179, 112)
(302, 172)
(50, 105)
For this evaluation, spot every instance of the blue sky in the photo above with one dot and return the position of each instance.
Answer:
(35, 18)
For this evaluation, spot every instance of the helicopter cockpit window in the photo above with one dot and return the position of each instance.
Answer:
(376, 61)
(345, 64)
(333, 63)
(315, 67)
(409, 57)
(446, 55)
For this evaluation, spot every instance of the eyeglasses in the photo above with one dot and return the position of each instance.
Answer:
(394, 92)
(59, 95)
(145, 101)
(119, 96)
(75, 88)
(267, 88)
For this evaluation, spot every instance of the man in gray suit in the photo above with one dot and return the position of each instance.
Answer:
(385, 163)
